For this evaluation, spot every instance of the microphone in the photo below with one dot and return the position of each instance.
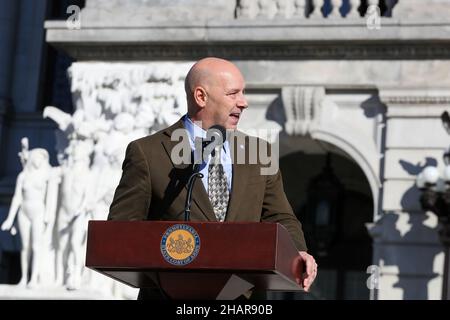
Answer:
(215, 136)
(217, 133)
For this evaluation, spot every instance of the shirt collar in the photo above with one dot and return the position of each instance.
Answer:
(195, 131)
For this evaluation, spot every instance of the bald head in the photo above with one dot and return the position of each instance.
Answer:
(206, 72)
(215, 92)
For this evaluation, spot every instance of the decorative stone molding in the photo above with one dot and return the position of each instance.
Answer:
(301, 105)
(261, 51)
(415, 102)
(409, 100)
(135, 99)
(115, 103)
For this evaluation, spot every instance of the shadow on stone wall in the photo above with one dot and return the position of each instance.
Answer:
(408, 242)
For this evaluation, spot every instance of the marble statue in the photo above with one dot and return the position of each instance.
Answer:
(115, 103)
(33, 204)
(73, 213)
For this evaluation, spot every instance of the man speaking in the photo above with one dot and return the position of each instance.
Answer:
(153, 184)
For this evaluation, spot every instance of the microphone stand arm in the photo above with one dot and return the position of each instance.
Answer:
(190, 187)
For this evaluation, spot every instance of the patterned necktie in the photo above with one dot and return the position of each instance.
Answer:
(218, 187)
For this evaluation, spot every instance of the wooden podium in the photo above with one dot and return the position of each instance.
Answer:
(195, 260)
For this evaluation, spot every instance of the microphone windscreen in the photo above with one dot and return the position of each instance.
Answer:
(217, 128)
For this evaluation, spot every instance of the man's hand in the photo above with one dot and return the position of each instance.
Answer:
(305, 278)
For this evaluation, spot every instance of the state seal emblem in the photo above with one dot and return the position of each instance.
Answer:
(180, 244)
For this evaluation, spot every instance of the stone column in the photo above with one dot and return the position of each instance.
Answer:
(8, 17)
(8, 22)
(28, 55)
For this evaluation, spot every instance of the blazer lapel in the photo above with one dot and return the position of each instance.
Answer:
(199, 195)
(169, 144)
(240, 175)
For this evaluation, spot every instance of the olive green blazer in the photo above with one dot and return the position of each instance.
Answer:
(152, 187)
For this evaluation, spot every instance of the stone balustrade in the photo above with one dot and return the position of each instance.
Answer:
(313, 9)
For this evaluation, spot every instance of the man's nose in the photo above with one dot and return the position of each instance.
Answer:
(242, 102)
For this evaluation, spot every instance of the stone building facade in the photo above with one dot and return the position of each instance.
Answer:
(355, 90)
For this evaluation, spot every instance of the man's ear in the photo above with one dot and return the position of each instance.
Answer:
(200, 96)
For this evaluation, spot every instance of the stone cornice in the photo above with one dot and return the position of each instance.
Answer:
(246, 31)
(314, 23)
(314, 39)
(317, 51)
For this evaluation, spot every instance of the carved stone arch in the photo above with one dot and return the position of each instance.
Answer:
(310, 114)
(363, 155)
